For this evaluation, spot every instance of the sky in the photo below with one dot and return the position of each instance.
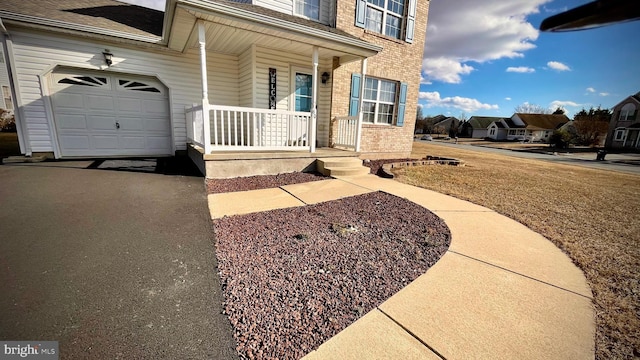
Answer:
(485, 58)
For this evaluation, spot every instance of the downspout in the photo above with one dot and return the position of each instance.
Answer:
(23, 135)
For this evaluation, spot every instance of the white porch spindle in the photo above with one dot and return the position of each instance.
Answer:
(205, 91)
(314, 103)
(363, 71)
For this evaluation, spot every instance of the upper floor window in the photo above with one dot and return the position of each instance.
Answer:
(307, 8)
(385, 17)
(627, 112)
(379, 102)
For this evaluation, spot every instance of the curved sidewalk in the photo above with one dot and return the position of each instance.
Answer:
(501, 291)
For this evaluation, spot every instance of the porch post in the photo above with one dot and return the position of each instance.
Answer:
(314, 103)
(205, 90)
(363, 71)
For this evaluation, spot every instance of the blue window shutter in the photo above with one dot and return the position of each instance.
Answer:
(411, 21)
(402, 104)
(361, 12)
(356, 82)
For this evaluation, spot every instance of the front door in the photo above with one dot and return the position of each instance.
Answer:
(303, 92)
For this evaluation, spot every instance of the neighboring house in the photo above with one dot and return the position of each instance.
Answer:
(624, 127)
(448, 126)
(497, 130)
(478, 126)
(102, 78)
(530, 127)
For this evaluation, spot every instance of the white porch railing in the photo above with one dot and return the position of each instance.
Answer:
(240, 128)
(195, 125)
(345, 129)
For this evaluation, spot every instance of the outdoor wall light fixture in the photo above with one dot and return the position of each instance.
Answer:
(324, 77)
(107, 57)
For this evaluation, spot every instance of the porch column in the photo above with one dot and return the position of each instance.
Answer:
(205, 90)
(363, 71)
(314, 103)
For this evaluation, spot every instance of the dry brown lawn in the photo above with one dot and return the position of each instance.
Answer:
(592, 215)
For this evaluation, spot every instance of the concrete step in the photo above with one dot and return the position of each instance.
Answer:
(345, 166)
(344, 171)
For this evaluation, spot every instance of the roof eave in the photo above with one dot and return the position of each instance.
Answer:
(63, 26)
(219, 9)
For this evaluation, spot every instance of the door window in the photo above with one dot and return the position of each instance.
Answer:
(304, 92)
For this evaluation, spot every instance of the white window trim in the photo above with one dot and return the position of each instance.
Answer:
(378, 102)
(292, 89)
(385, 12)
(621, 132)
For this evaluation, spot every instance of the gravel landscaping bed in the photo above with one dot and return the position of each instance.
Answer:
(293, 278)
(216, 186)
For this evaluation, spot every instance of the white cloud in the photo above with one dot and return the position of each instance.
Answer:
(464, 31)
(556, 65)
(445, 70)
(604, 94)
(591, 90)
(153, 4)
(465, 104)
(520, 69)
(508, 98)
(563, 103)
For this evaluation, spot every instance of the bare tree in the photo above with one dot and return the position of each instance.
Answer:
(527, 108)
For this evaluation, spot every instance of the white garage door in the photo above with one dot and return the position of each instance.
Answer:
(103, 114)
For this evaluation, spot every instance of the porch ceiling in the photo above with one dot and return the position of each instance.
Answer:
(229, 34)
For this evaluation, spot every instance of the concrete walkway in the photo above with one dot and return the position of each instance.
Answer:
(501, 291)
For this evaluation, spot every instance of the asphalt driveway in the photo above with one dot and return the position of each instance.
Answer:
(112, 264)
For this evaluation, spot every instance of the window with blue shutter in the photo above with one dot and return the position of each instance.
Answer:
(392, 18)
(402, 101)
(356, 82)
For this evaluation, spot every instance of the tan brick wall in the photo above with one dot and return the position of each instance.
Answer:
(398, 61)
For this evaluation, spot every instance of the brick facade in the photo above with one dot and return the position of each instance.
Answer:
(398, 61)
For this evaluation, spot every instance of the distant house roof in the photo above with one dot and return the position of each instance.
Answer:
(105, 14)
(635, 97)
(499, 124)
(448, 120)
(543, 121)
(512, 125)
(482, 122)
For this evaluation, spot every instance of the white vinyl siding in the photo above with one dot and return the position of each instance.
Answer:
(283, 6)
(39, 53)
(267, 58)
(287, 7)
(246, 78)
